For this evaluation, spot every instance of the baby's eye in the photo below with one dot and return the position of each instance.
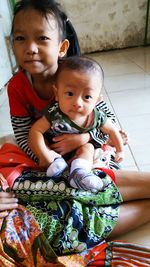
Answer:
(19, 38)
(88, 97)
(69, 93)
(43, 38)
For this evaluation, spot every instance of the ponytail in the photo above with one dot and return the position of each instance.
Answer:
(74, 47)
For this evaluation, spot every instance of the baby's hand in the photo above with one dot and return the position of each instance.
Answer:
(124, 136)
(119, 156)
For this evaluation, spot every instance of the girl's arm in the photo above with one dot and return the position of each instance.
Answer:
(19, 92)
(66, 143)
(37, 143)
(21, 127)
(115, 137)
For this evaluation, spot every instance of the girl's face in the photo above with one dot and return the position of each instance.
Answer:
(78, 93)
(36, 42)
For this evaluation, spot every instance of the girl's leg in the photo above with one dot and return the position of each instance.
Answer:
(133, 185)
(132, 214)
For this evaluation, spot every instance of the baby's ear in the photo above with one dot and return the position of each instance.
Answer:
(100, 98)
(55, 92)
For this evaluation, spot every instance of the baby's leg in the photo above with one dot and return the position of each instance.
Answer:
(56, 167)
(80, 171)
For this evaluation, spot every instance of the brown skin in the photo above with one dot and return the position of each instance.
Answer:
(7, 202)
(134, 187)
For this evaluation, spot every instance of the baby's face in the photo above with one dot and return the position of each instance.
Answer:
(78, 92)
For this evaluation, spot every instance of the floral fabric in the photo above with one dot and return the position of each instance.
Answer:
(61, 226)
(72, 220)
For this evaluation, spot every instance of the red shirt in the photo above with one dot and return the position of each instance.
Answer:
(23, 100)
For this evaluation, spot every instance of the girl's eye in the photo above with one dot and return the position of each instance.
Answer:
(19, 38)
(88, 97)
(69, 94)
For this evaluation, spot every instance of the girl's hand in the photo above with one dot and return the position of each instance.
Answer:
(66, 143)
(7, 202)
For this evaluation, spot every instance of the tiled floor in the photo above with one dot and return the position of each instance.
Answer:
(127, 91)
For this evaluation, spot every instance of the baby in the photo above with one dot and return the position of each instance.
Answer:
(78, 85)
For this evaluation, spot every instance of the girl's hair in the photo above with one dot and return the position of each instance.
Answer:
(81, 64)
(45, 7)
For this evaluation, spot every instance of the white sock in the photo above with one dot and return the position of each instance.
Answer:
(80, 163)
(79, 178)
(56, 167)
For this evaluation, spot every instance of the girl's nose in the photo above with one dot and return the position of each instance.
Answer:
(32, 49)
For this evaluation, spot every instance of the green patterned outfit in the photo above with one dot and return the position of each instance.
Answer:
(61, 124)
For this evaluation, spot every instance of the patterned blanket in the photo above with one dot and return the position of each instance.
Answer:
(22, 243)
(56, 225)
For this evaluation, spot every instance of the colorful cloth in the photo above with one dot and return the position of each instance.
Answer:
(72, 220)
(114, 254)
(59, 220)
(22, 244)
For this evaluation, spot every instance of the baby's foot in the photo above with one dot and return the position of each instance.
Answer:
(82, 179)
(57, 167)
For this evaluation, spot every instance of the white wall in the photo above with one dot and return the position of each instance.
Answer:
(5, 58)
(107, 24)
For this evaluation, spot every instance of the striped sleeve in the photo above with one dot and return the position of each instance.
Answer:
(21, 127)
(103, 106)
(98, 137)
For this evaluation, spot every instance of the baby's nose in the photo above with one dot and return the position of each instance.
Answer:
(78, 103)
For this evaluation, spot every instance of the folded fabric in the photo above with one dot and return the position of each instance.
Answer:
(12, 162)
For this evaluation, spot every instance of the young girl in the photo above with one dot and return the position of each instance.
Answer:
(39, 41)
(78, 86)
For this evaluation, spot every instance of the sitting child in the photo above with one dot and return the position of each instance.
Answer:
(78, 85)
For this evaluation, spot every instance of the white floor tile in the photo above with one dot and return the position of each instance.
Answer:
(131, 102)
(130, 81)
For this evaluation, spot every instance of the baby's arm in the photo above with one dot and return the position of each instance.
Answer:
(115, 137)
(102, 105)
(37, 143)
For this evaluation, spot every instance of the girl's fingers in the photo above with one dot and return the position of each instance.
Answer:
(8, 201)
(3, 214)
(8, 206)
(6, 195)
